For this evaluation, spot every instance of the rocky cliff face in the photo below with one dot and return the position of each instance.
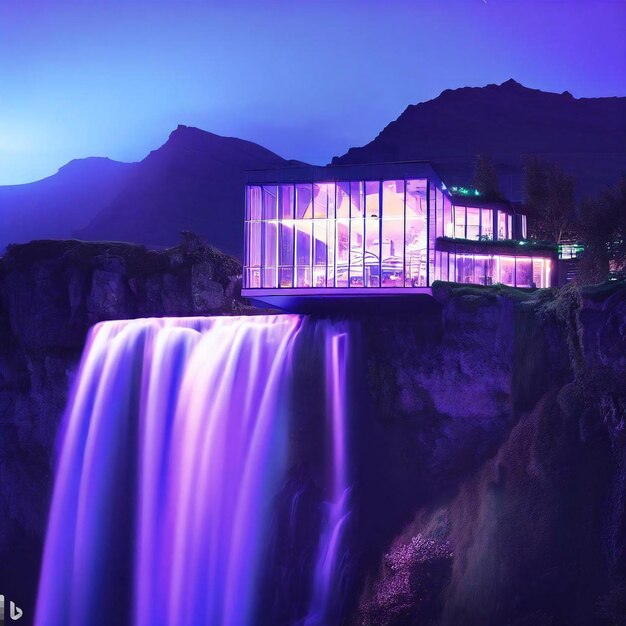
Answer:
(51, 292)
(488, 446)
(509, 456)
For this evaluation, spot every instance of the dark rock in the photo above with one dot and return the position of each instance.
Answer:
(489, 452)
(51, 293)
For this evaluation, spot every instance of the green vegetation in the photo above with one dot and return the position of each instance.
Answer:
(516, 246)
(549, 193)
(486, 178)
(601, 225)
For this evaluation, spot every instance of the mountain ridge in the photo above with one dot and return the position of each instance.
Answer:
(587, 136)
(194, 180)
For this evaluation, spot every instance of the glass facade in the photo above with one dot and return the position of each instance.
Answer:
(468, 222)
(351, 234)
(489, 269)
(372, 233)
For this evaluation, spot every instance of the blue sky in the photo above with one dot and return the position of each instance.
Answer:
(305, 79)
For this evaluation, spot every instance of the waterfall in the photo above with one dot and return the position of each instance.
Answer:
(327, 578)
(174, 445)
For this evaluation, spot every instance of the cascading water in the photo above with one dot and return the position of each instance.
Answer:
(327, 579)
(175, 444)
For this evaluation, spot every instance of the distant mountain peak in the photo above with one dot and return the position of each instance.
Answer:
(512, 84)
(506, 121)
(87, 162)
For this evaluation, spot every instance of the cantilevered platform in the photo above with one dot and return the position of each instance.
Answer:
(333, 299)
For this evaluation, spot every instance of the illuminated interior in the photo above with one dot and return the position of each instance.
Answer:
(490, 269)
(344, 234)
(386, 233)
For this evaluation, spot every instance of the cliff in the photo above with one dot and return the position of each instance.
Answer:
(508, 453)
(51, 292)
(488, 439)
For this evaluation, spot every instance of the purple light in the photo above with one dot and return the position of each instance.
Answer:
(327, 570)
(174, 447)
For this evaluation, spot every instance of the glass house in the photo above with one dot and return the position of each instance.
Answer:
(377, 229)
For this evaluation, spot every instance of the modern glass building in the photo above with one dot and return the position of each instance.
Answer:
(377, 229)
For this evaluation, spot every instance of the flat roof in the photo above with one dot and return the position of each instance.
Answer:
(344, 172)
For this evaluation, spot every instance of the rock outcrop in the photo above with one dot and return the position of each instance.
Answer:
(510, 426)
(488, 443)
(51, 293)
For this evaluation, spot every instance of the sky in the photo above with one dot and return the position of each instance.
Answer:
(306, 79)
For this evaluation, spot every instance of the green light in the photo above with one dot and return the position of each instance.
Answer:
(465, 191)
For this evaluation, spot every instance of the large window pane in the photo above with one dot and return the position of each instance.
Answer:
(343, 252)
(431, 233)
(303, 253)
(343, 200)
(357, 241)
(507, 270)
(270, 254)
(254, 203)
(270, 202)
(319, 253)
(393, 252)
(473, 223)
(357, 200)
(286, 202)
(490, 271)
(320, 200)
(480, 269)
(486, 224)
(304, 209)
(444, 266)
(372, 234)
(372, 251)
(331, 200)
(415, 234)
(330, 252)
(538, 273)
(357, 233)
(459, 222)
(270, 249)
(464, 268)
(392, 256)
(503, 226)
(252, 277)
(285, 254)
(448, 217)
(440, 222)
(523, 272)
(254, 251)
(437, 265)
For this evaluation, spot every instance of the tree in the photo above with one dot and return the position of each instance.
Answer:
(486, 178)
(549, 194)
(602, 229)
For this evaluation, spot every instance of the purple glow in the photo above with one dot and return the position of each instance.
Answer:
(175, 445)
(328, 567)
(113, 79)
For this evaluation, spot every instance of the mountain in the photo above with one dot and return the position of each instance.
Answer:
(587, 136)
(192, 182)
(195, 181)
(53, 207)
